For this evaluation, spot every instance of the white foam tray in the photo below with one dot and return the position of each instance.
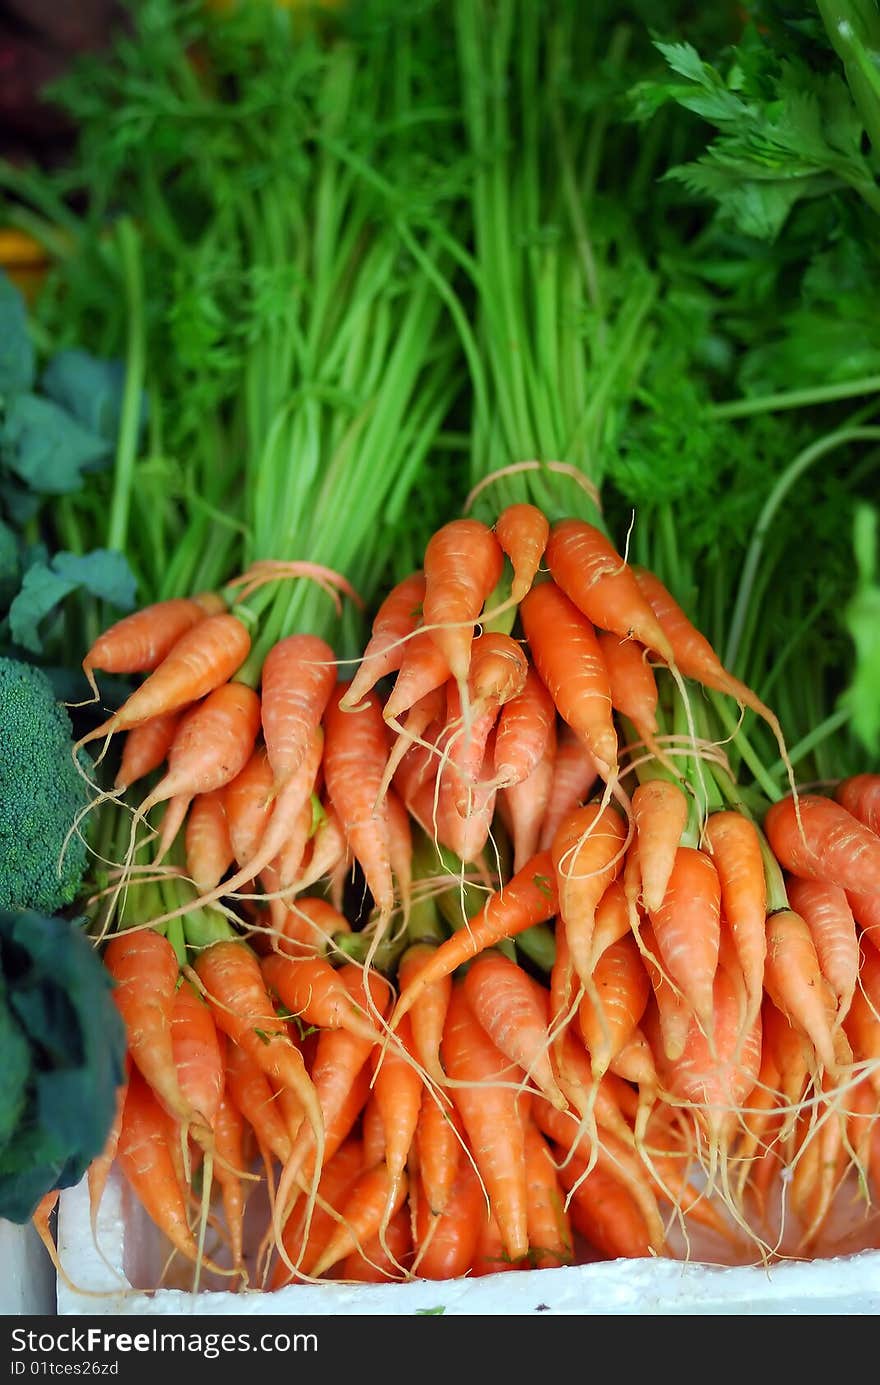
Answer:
(105, 1276)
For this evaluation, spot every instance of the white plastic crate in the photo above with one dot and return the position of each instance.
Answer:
(108, 1279)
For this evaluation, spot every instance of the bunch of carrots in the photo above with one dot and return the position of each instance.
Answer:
(478, 959)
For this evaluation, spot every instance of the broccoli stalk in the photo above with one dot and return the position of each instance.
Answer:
(42, 863)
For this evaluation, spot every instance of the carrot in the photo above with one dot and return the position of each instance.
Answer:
(446, 1241)
(361, 1214)
(830, 844)
(139, 642)
(574, 774)
(311, 925)
(372, 1130)
(610, 1011)
(424, 713)
(490, 1257)
(860, 795)
(734, 845)
(249, 1088)
(355, 753)
(603, 1211)
(438, 1143)
(463, 562)
(203, 658)
(198, 1056)
(588, 568)
(427, 1012)
(243, 1010)
(99, 1169)
(492, 1116)
(550, 1231)
(229, 1166)
(340, 1076)
(207, 843)
(687, 929)
(660, 814)
(566, 654)
(862, 1022)
(397, 617)
(374, 1263)
(337, 1178)
(694, 657)
(144, 966)
(793, 979)
(297, 680)
(826, 912)
(328, 851)
(314, 992)
(145, 748)
(587, 856)
(397, 1089)
(525, 804)
(212, 744)
(529, 897)
(673, 1012)
(513, 1011)
(522, 531)
(526, 724)
(146, 1163)
(423, 669)
(866, 912)
(633, 686)
(247, 802)
(462, 822)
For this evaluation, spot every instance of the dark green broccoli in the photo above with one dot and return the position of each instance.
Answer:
(41, 793)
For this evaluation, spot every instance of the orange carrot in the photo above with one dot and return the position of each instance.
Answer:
(793, 979)
(397, 617)
(566, 654)
(673, 1011)
(826, 912)
(337, 1178)
(513, 1011)
(574, 774)
(298, 677)
(860, 795)
(587, 856)
(198, 1056)
(492, 1115)
(375, 1263)
(315, 993)
(207, 843)
(463, 562)
(355, 754)
(446, 1241)
(99, 1169)
(591, 572)
(229, 1165)
(525, 804)
(829, 845)
(550, 1231)
(687, 929)
(249, 1088)
(428, 1010)
(146, 1163)
(139, 642)
(144, 966)
(310, 925)
(212, 744)
(243, 1010)
(522, 531)
(611, 1009)
(247, 801)
(145, 748)
(529, 897)
(862, 1023)
(438, 1142)
(397, 1089)
(632, 684)
(693, 655)
(603, 1211)
(490, 1255)
(423, 669)
(361, 1215)
(734, 845)
(660, 813)
(204, 657)
(525, 725)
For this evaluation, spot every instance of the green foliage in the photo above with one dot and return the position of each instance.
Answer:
(41, 791)
(862, 617)
(63, 1046)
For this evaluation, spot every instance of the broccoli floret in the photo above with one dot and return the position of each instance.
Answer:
(41, 793)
